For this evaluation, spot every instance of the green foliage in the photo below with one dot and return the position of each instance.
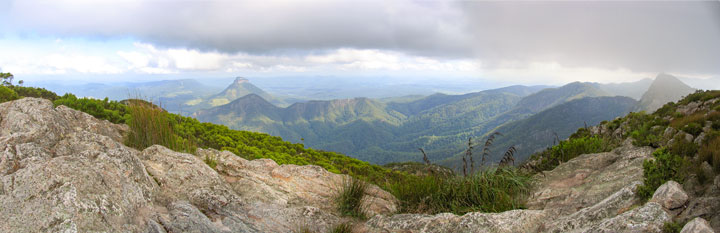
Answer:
(105, 109)
(666, 166)
(6, 79)
(692, 128)
(491, 190)
(682, 147)
(666, 110)
(7, 94)
(644, 129)
(699, 95)
(35, 92)
(566, 150)
(349, 198)
(681, 122)
(673, 227)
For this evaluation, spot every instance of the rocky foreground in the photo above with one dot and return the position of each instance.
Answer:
(62, 170)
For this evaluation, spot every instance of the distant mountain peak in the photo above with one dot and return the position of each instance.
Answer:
(240, 80)
(665, 88)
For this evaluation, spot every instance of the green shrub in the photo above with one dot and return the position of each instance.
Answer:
(666, 166)
(491, 190)
(570, 149)
(105, 109)
(7, 94)
(693, 128)
(349, 198)
(35, 92)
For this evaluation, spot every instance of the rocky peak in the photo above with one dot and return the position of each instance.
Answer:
(240, 80)
(62, 170)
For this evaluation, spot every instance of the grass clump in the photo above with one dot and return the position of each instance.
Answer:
(673, 227)
(491, 190)
(666, 166)
(349, 199)
(151, 125)
(710, 152)
(211, 162)
(342, 228)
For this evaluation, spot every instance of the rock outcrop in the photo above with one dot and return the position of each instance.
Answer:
(62, 170)
(591, 193)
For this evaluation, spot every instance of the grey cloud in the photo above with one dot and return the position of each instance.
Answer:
(642, 36)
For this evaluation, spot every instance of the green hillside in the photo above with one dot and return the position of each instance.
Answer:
(392, 132)
(539, 131)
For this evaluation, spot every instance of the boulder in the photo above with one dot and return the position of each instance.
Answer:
(650, 217)
(588, 179)
(697, 225)
(670, 195)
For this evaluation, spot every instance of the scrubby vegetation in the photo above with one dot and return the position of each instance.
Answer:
(489, 190)
(685, 134)
(666, 166)
(578, 144)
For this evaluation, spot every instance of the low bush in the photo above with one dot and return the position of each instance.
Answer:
(666, 166)
(35, 92)
(7, 94)
(682, 147)
(566, 150)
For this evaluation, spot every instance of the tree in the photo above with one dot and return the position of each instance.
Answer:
(21, 82)
(6, 79)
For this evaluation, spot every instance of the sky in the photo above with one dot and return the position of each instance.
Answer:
(521, 42)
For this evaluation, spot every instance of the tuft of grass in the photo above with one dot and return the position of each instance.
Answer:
(710, 152)
(151, 125)
(342, 228)
(349, 198)
(680, 122)
(212, 162)
(666, 166)
(490, 190)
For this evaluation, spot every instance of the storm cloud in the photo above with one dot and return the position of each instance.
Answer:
(682, 37)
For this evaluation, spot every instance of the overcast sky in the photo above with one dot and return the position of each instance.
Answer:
(526, 42)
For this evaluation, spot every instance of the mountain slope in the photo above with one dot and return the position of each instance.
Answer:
(392, 132)
(666, 88)
(538, 131)
(633, 90)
